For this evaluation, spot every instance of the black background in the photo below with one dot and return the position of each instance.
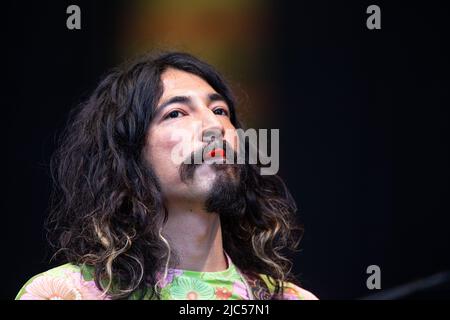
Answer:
(363, 118)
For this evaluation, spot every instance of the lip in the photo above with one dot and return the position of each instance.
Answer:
(216, 153)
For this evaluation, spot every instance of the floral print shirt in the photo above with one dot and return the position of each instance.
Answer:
(70, 282)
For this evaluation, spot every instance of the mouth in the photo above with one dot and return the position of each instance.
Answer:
(217, 152)
(216, 155)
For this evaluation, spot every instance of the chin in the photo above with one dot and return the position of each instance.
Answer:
(204, 178)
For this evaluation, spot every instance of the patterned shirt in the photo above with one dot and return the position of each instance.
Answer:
(71, 282)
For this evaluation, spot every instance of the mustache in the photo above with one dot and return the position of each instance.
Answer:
(191, 163)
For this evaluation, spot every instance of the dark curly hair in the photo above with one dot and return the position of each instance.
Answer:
(106, 207)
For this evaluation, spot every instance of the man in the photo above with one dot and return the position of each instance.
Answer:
(133, 222)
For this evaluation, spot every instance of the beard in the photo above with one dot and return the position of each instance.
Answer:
(226, 196)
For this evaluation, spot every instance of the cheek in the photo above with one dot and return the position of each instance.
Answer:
(160, 144)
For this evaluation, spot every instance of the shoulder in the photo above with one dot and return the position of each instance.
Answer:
(294, 292)
(65, 282)
(291, 291)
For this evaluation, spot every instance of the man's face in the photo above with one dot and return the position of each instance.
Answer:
(188, 114)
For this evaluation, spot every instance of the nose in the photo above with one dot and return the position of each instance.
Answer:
(212, 134)
(212, 128)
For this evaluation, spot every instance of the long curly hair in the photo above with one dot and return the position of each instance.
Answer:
(106, 206)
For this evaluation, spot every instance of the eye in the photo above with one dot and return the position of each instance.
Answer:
(173, 114)
(221, 112)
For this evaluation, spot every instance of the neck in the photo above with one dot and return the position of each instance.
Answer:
(196, 237)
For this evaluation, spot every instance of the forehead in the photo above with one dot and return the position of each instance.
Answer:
(176, 82)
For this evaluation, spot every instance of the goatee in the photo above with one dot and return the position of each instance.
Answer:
(227, 193)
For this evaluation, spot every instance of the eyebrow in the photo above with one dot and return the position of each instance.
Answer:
(187, 100)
